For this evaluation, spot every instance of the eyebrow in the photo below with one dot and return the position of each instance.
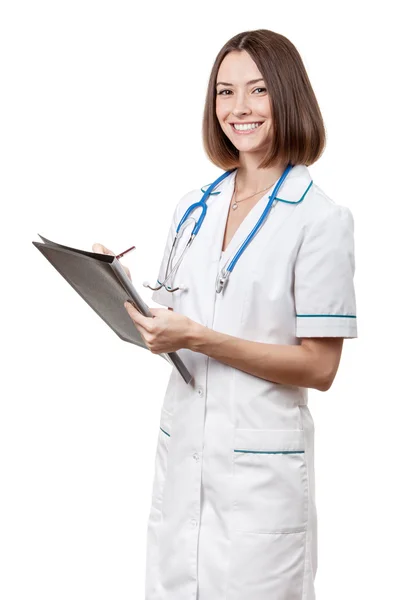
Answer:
(248, 83)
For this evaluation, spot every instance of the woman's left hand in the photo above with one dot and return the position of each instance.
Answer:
(166, 331)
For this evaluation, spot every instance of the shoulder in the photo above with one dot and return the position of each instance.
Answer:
(188, 199)
(319, 208)
(325, 228)
(196, 194)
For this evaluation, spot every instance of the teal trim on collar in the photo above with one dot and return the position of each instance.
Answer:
(297, 201)
(341, 316)
(275, 452)
(212, 193)
(168, 434)
(277, 199)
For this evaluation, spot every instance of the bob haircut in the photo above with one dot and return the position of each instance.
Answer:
(299, 133)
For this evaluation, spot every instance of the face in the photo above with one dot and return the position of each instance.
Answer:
(242, 98)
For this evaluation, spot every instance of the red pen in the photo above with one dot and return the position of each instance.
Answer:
(125, 252)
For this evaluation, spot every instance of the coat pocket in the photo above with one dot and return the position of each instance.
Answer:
(270, 481)
(161, 459)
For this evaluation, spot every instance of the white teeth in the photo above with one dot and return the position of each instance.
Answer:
(246, 127)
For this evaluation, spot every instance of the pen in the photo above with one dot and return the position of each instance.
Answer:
(125, 252)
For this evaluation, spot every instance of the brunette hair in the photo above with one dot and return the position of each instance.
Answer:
(299, 133)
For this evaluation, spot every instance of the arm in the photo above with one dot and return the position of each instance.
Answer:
(313, 364)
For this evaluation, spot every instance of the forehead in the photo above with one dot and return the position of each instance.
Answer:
(238, 67)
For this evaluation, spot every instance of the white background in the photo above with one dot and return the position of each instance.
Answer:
(101, 111)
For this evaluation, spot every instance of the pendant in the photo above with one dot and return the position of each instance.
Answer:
(234, 206)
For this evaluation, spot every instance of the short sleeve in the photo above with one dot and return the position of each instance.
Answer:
(324, 278)
(161, 296)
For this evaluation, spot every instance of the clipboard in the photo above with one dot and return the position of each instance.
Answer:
(102, 282)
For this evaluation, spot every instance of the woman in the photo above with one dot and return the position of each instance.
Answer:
(233, 513)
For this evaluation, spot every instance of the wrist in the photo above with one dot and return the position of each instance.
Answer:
(195, 336)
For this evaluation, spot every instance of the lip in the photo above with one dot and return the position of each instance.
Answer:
(249, 131)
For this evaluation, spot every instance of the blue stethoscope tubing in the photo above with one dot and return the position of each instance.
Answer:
(223, 277)
(224, 274)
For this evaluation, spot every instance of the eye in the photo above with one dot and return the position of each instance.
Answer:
(221, 93)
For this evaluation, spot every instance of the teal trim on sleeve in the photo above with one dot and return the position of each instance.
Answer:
(339, 316)
(168, 434)
(275, 452)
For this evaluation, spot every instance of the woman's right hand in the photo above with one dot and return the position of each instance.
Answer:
(100, 249)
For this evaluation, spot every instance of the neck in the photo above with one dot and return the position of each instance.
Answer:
(250, 179)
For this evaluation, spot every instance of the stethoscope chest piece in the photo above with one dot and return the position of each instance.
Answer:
(221, 281)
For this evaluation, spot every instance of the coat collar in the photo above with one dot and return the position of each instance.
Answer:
(293, 190)
(296, 185)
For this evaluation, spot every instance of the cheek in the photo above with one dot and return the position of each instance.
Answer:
(263, 107)
(268, 133)
(221, 110)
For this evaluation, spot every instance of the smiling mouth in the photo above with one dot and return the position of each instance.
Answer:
(246, 129)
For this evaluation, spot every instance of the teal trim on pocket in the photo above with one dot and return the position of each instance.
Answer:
(168, 434)
(341, 316)
(274, 452)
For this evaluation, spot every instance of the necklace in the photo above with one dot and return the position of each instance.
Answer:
(236, 202)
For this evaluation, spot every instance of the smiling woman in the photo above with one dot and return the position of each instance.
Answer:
(234, 515)
(279, 97)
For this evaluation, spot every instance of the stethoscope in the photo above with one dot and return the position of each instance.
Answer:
(224, 273)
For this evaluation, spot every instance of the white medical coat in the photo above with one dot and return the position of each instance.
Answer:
(233, 512)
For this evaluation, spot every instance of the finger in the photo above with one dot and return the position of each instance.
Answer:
(157, 311)
(97, 248)
(101, 249)
(141, 330)
(135, 315)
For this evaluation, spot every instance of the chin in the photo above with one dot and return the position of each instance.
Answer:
(251, 146)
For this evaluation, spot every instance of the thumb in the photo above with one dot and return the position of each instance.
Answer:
(157, 311)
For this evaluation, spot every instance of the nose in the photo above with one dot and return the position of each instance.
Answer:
(240, 113)
(241, 107)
